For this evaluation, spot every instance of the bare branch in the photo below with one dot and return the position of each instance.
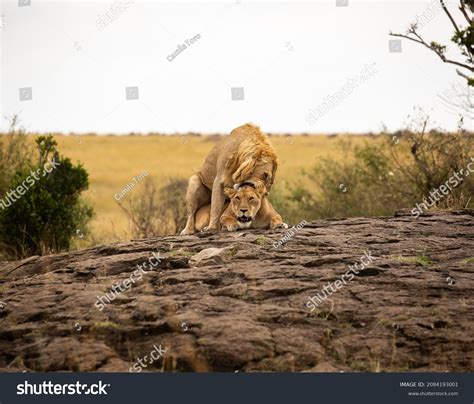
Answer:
(450, 17)
(460, 73)
(129, 213)
(435, 50)
(459, 97)
(459, 38)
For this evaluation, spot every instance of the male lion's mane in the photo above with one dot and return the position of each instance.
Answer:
(255, 149)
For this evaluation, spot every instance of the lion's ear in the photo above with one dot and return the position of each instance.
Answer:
(261, 189)
(229, 192)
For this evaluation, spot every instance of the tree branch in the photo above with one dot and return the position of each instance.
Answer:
(458, 31)
(462, 7)
(450, 17)
(465, 76)
(441, 56)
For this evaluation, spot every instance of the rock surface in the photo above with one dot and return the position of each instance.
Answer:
(410, 309)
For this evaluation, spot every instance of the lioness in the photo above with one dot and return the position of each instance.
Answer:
(248, 208)
(246, 155)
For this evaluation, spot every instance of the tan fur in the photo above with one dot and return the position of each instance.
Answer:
(246, 155)
(255, 149)
(257, 207)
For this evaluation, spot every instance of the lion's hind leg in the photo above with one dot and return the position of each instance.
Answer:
(202, 217)
(197, 195)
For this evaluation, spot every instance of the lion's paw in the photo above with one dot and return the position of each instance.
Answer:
(281, 225)
(232, 227)
(211, 228)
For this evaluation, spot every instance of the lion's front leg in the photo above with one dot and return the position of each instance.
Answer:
(229, 223)
(276, 221)
(217, 205)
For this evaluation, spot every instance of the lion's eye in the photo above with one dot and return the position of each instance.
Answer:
(237, 199)
(251, 199)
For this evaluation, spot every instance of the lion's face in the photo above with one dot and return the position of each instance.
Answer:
(264, 172)
(245, 202)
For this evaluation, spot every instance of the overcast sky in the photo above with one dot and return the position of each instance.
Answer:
(283, 58)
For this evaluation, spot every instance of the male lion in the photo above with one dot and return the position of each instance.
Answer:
(248, 208)
(246, 155)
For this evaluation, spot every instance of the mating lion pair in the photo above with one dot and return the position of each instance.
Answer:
(241, 168)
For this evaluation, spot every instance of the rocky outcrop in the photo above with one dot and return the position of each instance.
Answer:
(233, 302)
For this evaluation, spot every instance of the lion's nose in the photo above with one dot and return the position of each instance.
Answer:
(243, 210)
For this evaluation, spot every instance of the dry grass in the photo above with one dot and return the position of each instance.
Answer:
(112, 161)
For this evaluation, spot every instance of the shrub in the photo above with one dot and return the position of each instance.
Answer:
(48, 211)
(15, 154)
(284, 204)
(382, 177)
(158, 212)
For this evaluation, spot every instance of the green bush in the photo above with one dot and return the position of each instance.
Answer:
(45, 211)
(382, 177)
(281, 199)
(15, 154)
